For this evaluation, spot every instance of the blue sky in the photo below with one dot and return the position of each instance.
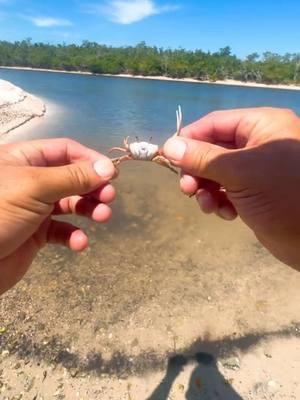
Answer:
(246, 26)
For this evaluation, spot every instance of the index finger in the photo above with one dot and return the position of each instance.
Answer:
(52, 152)
(221, 127)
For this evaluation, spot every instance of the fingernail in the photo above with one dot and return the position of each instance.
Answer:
(174, 149)
(104, 168)
(227, 213)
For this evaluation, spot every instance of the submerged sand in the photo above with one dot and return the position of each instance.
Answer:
(17, 107)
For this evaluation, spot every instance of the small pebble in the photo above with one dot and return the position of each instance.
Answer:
(73, 372)
(181, 387)
(29, 384)
(272, 386)
(17, 366)
(17, 397)
(232, 363)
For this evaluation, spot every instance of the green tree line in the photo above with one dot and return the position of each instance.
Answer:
(153, 61)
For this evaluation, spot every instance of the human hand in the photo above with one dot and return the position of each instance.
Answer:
(246, 162)
(42, 178)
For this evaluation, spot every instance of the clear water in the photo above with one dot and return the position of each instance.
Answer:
(100, 111)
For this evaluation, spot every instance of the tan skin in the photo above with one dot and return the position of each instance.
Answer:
(240, 162)
(40, 179)
(246, 162)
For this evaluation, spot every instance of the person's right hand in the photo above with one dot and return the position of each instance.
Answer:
(246, 162)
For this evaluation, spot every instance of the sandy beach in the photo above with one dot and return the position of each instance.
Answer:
(17, 107)
(227, 82)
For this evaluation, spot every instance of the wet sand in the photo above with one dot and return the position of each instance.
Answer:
(17, 107)
(165, 304)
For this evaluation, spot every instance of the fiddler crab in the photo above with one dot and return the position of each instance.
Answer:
(146, 151)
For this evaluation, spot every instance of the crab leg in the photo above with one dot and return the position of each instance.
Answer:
(117, 149)
(117, 161)
(160, 160)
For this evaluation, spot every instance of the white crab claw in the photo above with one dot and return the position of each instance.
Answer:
(179, 120)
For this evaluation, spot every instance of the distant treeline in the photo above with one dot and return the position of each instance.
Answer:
(153, 61)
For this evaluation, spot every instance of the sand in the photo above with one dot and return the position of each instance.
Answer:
(228, 82)
(17, 107)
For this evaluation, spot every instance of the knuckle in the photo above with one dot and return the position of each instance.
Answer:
(31, 179)
(238, 161)
(268, 109)
(79, 177)
(202, 159)
(236, 167)
(29, 183)
(66, 141)
(289, 112)
(213, 114)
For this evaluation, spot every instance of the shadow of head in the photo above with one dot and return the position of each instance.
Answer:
(206, 381)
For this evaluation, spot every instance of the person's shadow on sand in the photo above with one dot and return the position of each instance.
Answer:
(206, 382)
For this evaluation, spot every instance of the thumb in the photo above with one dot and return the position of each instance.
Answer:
(202, 159)
(53, 183)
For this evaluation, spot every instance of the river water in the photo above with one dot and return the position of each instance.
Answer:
(102, 110)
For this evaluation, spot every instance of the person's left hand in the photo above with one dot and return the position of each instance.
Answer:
(42, 178)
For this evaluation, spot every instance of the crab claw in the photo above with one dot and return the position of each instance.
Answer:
(179, 121)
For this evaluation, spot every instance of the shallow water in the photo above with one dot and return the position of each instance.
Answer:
(160, 276)
(102, 110)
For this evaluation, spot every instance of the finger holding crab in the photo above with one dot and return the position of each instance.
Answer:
(211, 196)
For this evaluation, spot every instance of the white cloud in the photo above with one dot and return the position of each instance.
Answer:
(130, 11)
(46, 22)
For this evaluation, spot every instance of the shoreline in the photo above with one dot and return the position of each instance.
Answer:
(227, 82)
(17, 107)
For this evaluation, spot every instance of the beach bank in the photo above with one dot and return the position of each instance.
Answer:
(17, 107)
(226, 82)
